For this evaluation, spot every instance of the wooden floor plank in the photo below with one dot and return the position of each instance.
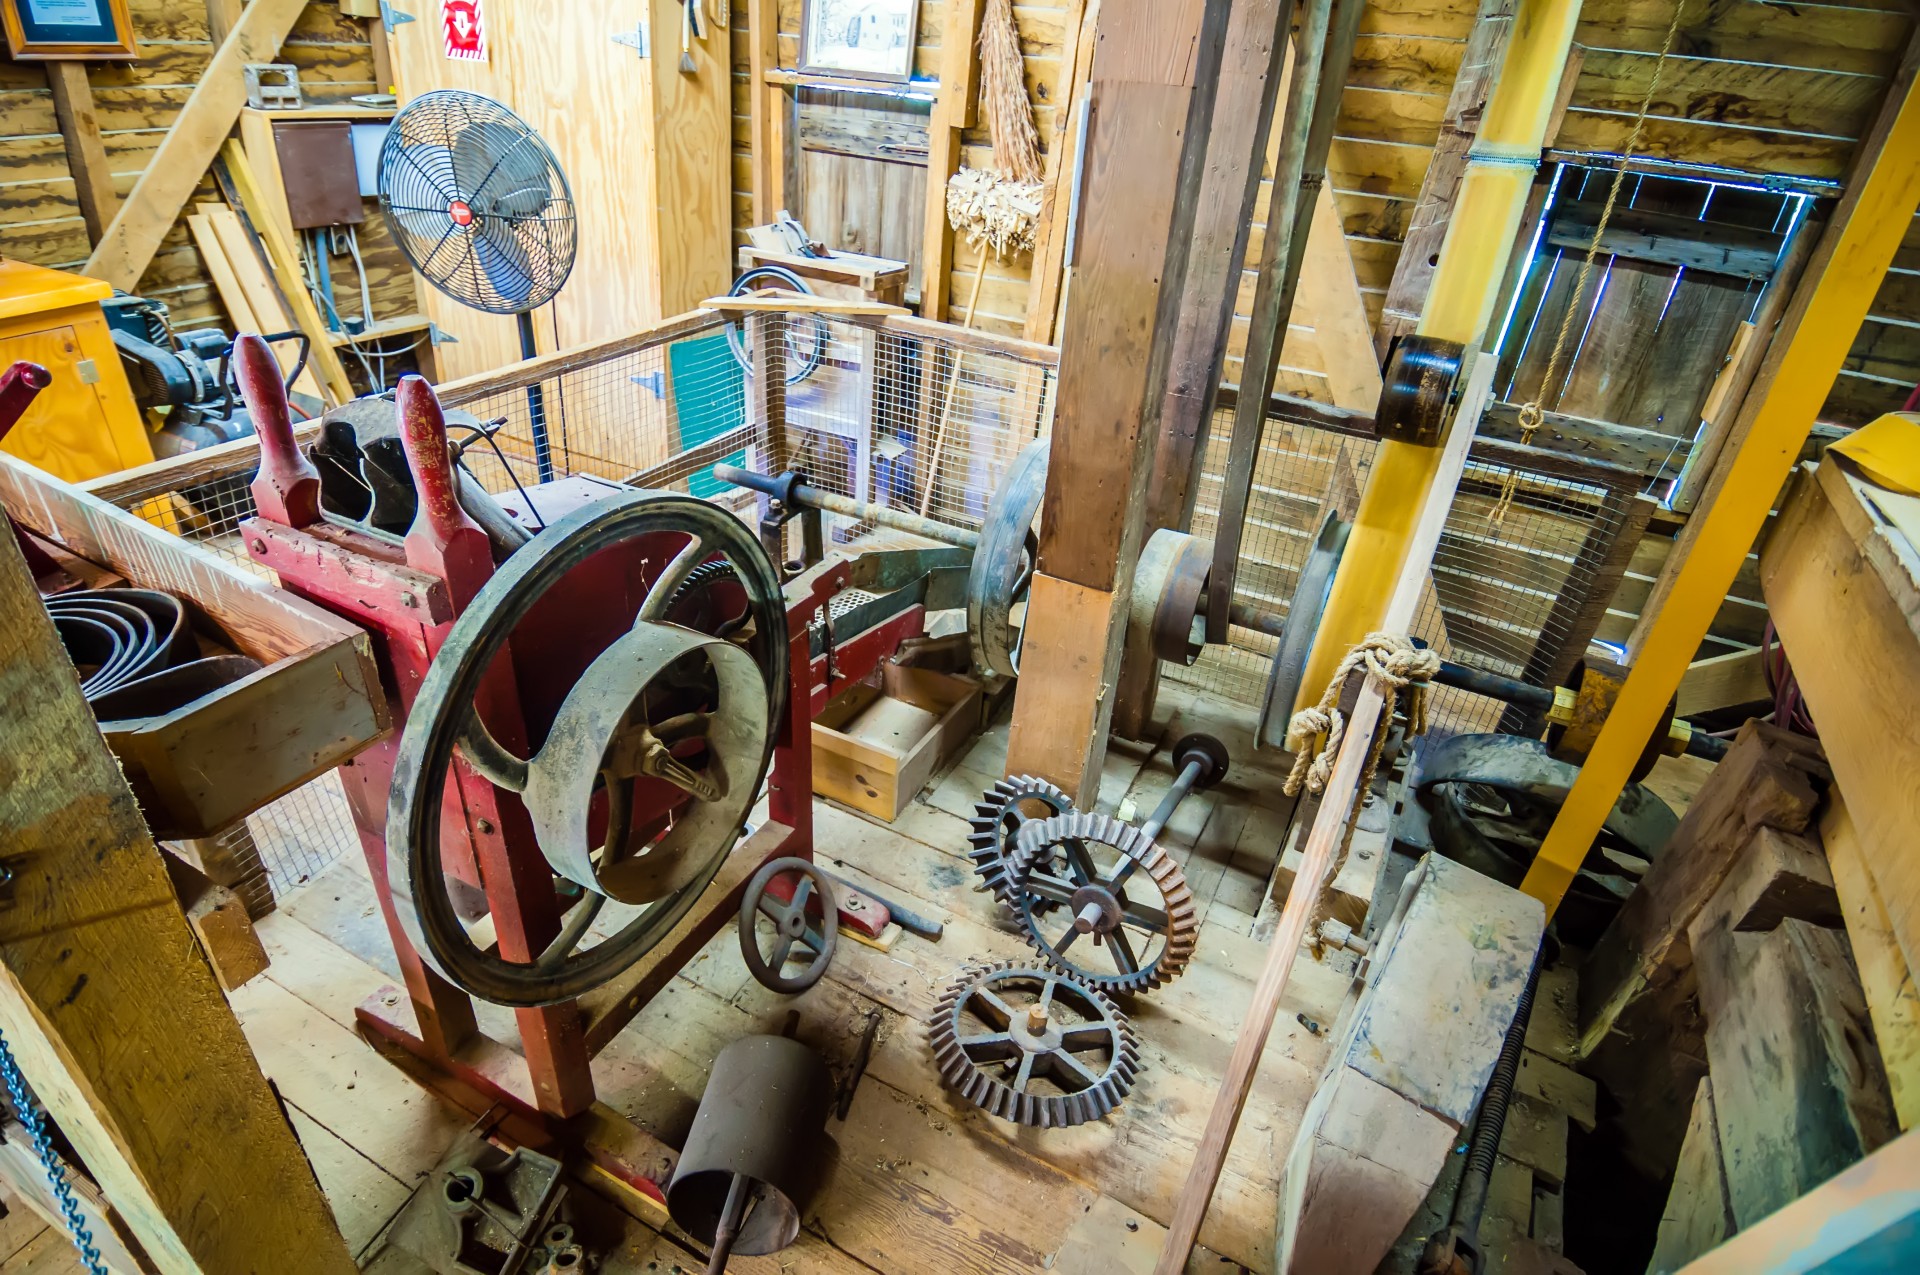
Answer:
(364, 1196)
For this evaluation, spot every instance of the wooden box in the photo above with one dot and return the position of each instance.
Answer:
(874, 748)
(316, 703)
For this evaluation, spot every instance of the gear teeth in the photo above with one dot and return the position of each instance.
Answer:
(1180, 937)
(1000, 1099)
(987, 842)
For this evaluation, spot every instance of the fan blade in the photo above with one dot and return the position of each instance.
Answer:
(508, 271)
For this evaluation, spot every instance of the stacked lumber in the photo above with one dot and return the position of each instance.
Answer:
(1723, 1010)
(1641, 1032)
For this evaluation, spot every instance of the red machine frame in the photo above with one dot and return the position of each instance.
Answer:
(408, 600)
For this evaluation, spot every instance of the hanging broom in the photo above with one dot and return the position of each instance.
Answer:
(1000, 209)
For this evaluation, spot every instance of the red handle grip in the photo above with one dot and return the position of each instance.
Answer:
(19, 386)
(287, 488)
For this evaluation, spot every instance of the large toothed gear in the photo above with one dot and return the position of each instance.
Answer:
(1088, 875)
(1033, 1045)
(997, 819)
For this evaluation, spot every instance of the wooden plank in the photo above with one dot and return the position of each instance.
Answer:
(86, 151)
(115, 1020)
(1145, 135)
(1697, 1216)
(1427, 224)
(1838, 579)
(1047, 274)
(1766, 780)
(233, 259)
(952, 113)
(1795, 1099)
(1668, 238)
(1722, 681)
(219, 923)
(1330, 299)
(1885, 977)
(194, 139)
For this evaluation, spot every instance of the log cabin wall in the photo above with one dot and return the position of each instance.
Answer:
(136, 102)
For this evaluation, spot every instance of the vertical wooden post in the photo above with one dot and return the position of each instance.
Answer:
(107, 1004)
(766, 108)
(953, 112)
(86, 151)
(1153, 74)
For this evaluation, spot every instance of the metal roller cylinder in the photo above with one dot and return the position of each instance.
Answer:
(763, 1117)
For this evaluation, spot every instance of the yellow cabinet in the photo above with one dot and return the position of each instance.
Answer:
(86, 423)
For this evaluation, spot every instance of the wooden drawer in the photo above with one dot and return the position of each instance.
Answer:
(316, 703)
(874, 748)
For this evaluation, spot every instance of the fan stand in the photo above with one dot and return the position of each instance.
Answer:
(536, 401)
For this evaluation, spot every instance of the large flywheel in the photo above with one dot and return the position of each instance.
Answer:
(639, 785)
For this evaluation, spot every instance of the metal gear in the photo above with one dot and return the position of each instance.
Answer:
(1055, 862)
(1015, 1041)
(997, 819)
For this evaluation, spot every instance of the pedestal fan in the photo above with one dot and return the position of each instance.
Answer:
(478, 204)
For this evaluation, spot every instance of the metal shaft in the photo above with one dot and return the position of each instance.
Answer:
(729, 1228)
(1171, 802)
(804, 494)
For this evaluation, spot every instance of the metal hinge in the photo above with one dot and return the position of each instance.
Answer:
(394, 17)
(635, 39)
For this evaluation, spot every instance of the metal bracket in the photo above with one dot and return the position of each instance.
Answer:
(438, 335)
(636, 39)
(393, 17)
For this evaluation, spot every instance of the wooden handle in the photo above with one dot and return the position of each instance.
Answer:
(286, 490)
(19, 386)
(423, 432)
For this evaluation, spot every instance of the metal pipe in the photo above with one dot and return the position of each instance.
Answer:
(1175, 795)
(813, 497)
(1466, 283)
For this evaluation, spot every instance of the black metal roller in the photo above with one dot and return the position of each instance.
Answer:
(1416, 389)
(1202, 748)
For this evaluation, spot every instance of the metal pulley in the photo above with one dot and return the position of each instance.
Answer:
(1417, 389)
(754, 1155)
(1310, 592)
(638, 788)
(1169, 597)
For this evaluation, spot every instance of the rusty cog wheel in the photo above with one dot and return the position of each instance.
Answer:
(1033, 1045)
(1080, 874)
(998, 817)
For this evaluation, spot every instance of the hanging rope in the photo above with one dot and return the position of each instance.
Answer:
(1394, 665)
(1531, 412)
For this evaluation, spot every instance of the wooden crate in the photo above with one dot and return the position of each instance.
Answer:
(316, 703)
(874, 748)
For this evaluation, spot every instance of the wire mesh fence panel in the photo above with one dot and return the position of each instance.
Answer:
(1515, 595)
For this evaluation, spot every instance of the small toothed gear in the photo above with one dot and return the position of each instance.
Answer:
(1033, 1045)
(1080, 874)
(998, 818)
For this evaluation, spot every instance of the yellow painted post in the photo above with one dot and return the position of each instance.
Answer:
(1466, 283)
(1808, 351)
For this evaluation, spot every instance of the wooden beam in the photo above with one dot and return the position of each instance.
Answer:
(1427, 226)
(1669, 238)
(86, 151)
(222, 17)
(952, 113)
(1816, 334)
(1329, 823)
(1696, 1217)
(128, 245)
(1145, 145)
(1251, 73)
(1893, 1002)
(766, 108)
(107, 1005)
(1047, 273)
(1722, 681)
(1331, 302)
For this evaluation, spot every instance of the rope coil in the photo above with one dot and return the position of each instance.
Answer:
(1393, 664)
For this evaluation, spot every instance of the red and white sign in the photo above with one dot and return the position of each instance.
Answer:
(466, 30)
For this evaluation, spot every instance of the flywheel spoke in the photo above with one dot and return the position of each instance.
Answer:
(1066, 1067)
(660, 593)
(490, 757)
(1123, 956)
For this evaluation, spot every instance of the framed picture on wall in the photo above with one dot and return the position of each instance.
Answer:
(66, 30)
(866, 39)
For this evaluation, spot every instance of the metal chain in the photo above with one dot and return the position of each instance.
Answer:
(35, 1122)
(1532, 415)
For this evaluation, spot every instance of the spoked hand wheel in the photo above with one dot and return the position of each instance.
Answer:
(638, 790)
(790, 912)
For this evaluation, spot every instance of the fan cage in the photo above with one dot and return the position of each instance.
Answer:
(477, 202)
